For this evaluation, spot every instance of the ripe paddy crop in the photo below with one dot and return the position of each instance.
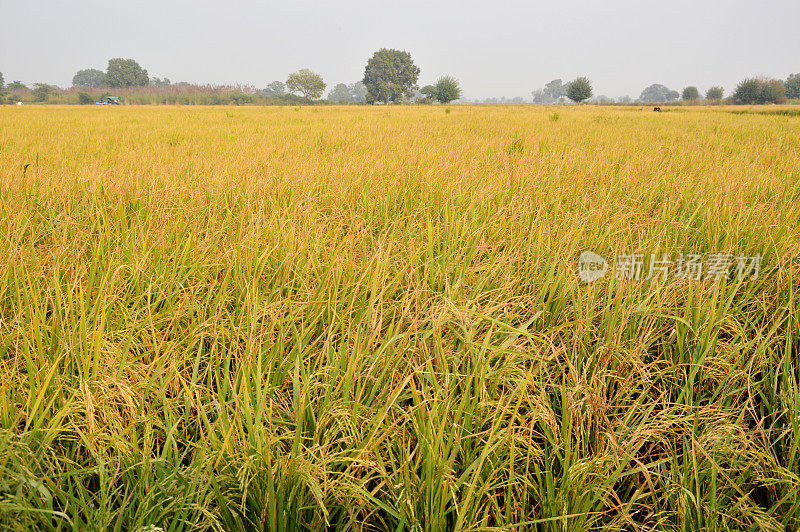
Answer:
(370, 318)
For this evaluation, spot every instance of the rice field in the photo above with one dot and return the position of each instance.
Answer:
(371, 319)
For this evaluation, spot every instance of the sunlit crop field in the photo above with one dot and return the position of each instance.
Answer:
(370, 318)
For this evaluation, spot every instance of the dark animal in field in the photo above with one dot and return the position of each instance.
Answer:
(657, 109)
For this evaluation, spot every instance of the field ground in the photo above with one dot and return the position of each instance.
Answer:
(370, 318)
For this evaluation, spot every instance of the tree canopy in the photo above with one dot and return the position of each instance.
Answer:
(715, 93)
(690, 93)
(307, 83)
(276, 88)
(579, 89)
(759, 91)
(447, 89)
(390, 76)
(658, 93)
(89, 78)
(42, 91)
(343, 93)
(793, 86)
(126, 73)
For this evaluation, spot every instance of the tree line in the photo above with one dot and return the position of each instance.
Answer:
(756, 90)
(390, 76)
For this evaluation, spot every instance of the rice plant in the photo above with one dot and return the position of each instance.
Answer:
(371, 319)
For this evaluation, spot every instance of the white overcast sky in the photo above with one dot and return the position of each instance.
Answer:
(496, 48)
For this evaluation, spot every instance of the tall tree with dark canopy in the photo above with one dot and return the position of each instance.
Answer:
(126, 73)
(579, 89)
(690, 94)
(2, 82)
(91, 78)
(307, 83)
(390, 76)
(447, 89)
(715, 93)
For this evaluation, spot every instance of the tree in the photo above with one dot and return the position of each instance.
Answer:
(555, 90)
(340, 93)
(551, 93)
(657, 93)
(126, 73)
(773, 91)
(792, 86)
(42, 91)
(17, 85)
(91, 78)
(748, 91)
(390, 76)
(307, 83)
(158, 82)
(429, 92)
(2, 82)
(690, 93)
(358, 92)
(715, 93)
(759, 90)
(276, 88)
(579, 89)
(447, 89)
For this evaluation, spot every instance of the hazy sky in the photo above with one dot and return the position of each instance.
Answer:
(496, 48)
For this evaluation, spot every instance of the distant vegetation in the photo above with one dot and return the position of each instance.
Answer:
(715, 94)
(307, 83)
(690, 94)
(579, 89)
(390, 77)
(759, 91)
(445, 90)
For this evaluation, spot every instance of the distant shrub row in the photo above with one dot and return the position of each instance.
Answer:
(150, 95)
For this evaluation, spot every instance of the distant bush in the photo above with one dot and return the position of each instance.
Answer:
(84, 98)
